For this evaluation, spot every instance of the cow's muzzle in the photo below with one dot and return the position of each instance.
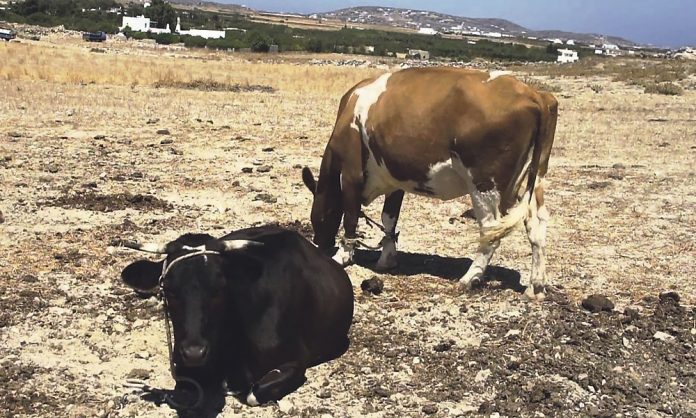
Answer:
(194, 355)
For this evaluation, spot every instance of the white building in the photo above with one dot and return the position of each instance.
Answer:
(570, 42)
(138, 23)
(427, 31)
(566, 56)
(203, 33)
(142, 24)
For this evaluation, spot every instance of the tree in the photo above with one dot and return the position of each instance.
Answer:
(161, 12)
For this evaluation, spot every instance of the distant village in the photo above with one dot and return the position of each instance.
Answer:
(421, 22)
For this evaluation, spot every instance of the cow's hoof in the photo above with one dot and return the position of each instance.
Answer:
(466, 285)
(534, 296)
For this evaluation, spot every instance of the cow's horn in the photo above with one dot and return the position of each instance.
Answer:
(240, 244)
(147, 247)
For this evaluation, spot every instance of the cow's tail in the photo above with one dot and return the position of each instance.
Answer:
(541, 147)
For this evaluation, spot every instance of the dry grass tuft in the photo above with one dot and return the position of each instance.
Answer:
(212, 85)
(668, 89)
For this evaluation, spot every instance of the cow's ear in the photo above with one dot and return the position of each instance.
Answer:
(308, 179)
(142, 275)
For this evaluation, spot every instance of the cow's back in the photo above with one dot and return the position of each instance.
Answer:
(298, 293)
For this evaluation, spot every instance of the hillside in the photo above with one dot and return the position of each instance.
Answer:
(415, 19)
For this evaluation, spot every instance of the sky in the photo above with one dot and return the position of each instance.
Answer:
(670, 23)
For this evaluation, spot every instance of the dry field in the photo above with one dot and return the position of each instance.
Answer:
(82, 165)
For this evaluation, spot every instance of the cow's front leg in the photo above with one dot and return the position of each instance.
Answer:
(351, 193)
(390, 216)
(277, 383)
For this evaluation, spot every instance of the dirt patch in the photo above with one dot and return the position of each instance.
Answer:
(110, 202)
(543, 359)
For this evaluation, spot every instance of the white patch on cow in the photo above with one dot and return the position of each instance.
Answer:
(344, 255)
(487, 210)
(387, 259)
(447, 179)
(379, 180)
(495, 74)
(523, 174)
(536, 225)
(367, 96)
(188, 247)
(251, 399)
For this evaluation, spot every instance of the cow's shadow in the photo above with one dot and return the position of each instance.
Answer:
(449, 268)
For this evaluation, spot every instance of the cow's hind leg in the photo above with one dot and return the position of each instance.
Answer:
(390, 216)
(535, 225)
(486, 207)
(277, 383)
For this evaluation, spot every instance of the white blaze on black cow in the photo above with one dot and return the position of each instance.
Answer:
(441, 133)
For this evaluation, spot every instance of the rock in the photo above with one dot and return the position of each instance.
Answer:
(391, 353)
(266, 198)
(671, 296)
(324, 394)
(429, 409)
(268, 149)
(297, 166)
(163, 132)
(374, 285)
(663, 336)
(597, 303)
(247, 169)
(152, 121)
(513, 333)
(285, 406)
(141, 374)
(618, 166)
(263, 169)
(2, 217)
(443, 346)
(595, 185)
(167, 141)
(52, 168)
(14, 135)
(99, 137)
(28, 278)
(482, 375)
(382, 392)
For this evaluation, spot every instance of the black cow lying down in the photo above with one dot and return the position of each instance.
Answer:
(253, 309)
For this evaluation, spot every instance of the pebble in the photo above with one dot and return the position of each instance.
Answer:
(266, 198)
(430, 409)
(163, 132)
(263, 169)
(482, 375)
(597, 303)
(285, 406)
(2, 217)
(167, 141)
(380, 391)
(141, 374)
(663, 336)
(374, 285)
(247, 169)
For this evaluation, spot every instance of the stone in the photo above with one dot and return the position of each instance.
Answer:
(374, 285)
(263, 169)
(163, 132)
(597, 303)
(429, 409)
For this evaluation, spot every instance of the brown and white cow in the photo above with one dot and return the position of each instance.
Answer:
(443, 133)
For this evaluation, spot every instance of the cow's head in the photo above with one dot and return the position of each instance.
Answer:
(327, 208)
(194, 278)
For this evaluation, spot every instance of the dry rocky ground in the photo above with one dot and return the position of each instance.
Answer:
(84, 164)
